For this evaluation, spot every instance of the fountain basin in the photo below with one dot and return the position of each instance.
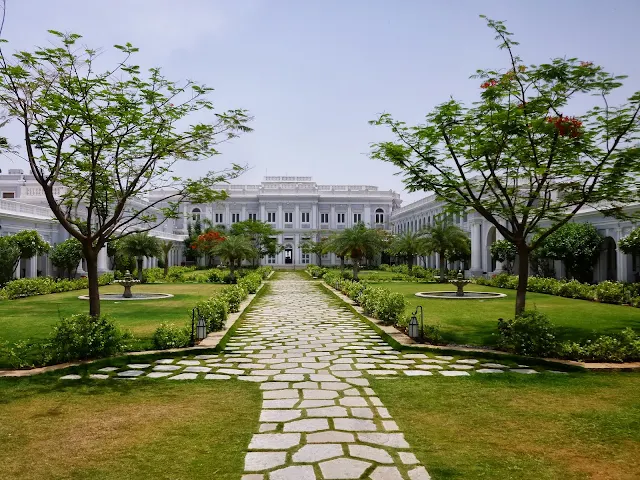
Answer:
(449, 295)
(135, 296)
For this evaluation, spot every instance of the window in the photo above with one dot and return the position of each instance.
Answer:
(253, 216)
(195, 214)
(357, 217)
(324, 218)
(271, 217)
(219, 218)
(305, 258)
(341, 218)
(288, 217)
(8, 195)
(379, 215)
(271, 259)
(305, 217)
(235, 217)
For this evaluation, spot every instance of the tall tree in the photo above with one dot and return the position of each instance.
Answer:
(448, 241)
(408, 245)
(235, 249)
(522, 155)
(30, 244)
(318, 247)
(505, 252)
(67, 256)
(96, 140)
(9, 257)
(166, 247)
(359, 242)
(262, 235)
(335, 246)
(139, 246)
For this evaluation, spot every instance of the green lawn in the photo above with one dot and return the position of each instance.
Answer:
(547, 427)
(474, 321)
(146, 429)
(33, 318)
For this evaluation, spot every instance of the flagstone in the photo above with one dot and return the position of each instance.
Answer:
(343, 468)
(258, 461)
(215, 376)
(167, 368)
(307, 425)
(395, 440)
(354, 425)
(274, 441)
(408, 458)
(131, 373)
(158, 374)
(184, 376)
(317, 452)
(330, 436)
(453, 373)
(419, 473)
(293, 473)
(107, 369)
(100, 376)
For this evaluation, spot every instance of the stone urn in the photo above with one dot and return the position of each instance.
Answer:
(460, 283)
(127, 282)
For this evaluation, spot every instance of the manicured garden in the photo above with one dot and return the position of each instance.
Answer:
(543, 427)
(111, 430)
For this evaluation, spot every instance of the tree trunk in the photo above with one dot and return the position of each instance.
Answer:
(523, 276)
(232, 270)
(140, 259)
(342, 263)
(166, 264)
(319, 259)
(410, 262)
(91, 259)
(356, 267)
(443, 267)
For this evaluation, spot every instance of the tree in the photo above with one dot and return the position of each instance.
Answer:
(193, 232)
(318, 248)
(67, 255)
(9, 257)
(121, 260)
(207, 242)
(448, 241)
(336, 247)
(521, 155)
(262, 236)
(166, 247)
(408, 245)
(96, 140)
(30, 244)
(505, 252)
(358, 242)
(577, 245)
(140, 245)
(631, 243)
(235, 249)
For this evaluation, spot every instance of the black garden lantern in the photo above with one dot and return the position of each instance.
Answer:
(415, 330)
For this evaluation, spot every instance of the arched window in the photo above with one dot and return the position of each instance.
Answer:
(195, 214)
(379, 215)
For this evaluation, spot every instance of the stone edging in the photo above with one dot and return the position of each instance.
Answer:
(404, 341)
(215, 340)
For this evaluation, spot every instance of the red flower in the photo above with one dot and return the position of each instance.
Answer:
(586, 64)
(566, 125)
(489, 83)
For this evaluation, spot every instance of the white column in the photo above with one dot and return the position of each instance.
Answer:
(314, 217)
(185, 218)
(80, 271)
(227, 215)
(103, 264)
(279, 219)
(263, 213)
(32, 267)
(332, 218)
(476, 249)
(18, 269)
(296, 219)
(349, 218)
(243, 215)
(367, 216)
(622, 260)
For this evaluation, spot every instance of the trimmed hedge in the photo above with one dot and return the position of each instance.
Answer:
(606, 292)
(28, 287)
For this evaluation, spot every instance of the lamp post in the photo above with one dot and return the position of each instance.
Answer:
(414, 331)
(201, 329)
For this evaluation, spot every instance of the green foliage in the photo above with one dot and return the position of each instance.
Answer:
(214, 311)
(140, 245)
(234, 295)
(315, 271)
(265, 271)
(408, 244)
(622, 347)
(504, 251)
(27, 287)
(448, 241)
(631, 243)
(234, 249)
(577, 245)
(251, 282)
(530, 333)
(67, 255)
(168, 335)
(81, 337)
(30, 243)
(610, 292)
(9, 257)
(261, 235)
(358, 243)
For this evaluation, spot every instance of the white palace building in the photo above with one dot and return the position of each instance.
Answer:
(299, 208)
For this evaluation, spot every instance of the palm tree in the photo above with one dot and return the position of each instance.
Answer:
(235, 248)
(448, 241)
(359, 242)
(333, 245)
(166, 247)
(408, 245)
(140, 245)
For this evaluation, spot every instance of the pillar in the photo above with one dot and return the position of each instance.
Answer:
(476, 249)
(243, 215)
(103, 260)
(263, 213)
(332, 218)
(622, 261)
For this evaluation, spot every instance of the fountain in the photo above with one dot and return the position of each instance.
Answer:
(460, 294)
(127, 282)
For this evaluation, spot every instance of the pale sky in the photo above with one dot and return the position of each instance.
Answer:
(314, 72)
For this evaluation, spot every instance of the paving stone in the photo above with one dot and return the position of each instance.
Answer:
(107, 369)
(323, 378)
(354, 425)
(230, 371)
(468, 361)
(343, 468)
(353, 402)
(71, 377)
(386, 473)
(419, 473)
(189, 362)
(167, 368)
(318, 394)
(417, 373)
(277, 394)
(197, 370)
(390, 425)
(131, 373)
(382, 372)
(274, 441)
(279, 415)
(526, 371)
(165, 361)
(99, 376)
(282, 403)
(489, 370)
(453, 373)
(317, 452)
(268, 427)
(274, 386)
(334, 411)
(253, 476)
(461, 367)
(215, 376)
(493, 365)
(330, 436)
(362, 382)
(184, 376)
(395, 440)
(334, 386)
(158, 374)
(252, 378)
(138, 366)
(429, 367)
(377, 455)
(360, 412)
(258, 461)
(307, 425)
(408, 458)
(293, 473)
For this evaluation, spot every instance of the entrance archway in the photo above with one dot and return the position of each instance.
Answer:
(288, 254)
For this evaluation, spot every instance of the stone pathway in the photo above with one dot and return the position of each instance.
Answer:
(320, 419)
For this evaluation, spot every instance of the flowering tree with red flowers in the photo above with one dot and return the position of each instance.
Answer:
(522, 156)
(207, 242)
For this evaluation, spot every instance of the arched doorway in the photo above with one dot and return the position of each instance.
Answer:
(288, 254)
(607, 266)
(491, 238)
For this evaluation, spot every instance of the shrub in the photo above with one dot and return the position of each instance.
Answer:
(153, 275)
(234, 295)
(175, 273)
(214, 311)
(168, 335)
(217, 276)
(27, 287)
(382, 304)
(621, 347)
(575, 289)
(265, 271)
(530, 333)
(81, 337)
(316, 271)
(250, 282)
(543, 285)
(610, 292)
(384, 267)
